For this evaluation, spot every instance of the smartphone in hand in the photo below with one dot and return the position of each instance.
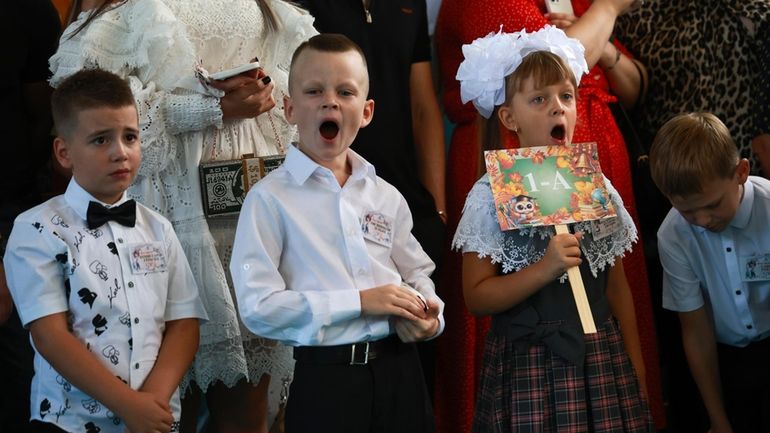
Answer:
(223, 75)
(559, 6)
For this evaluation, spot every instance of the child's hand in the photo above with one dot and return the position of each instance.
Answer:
(410, 331)
(146, 413)
(246, 96)
(563, 252)
(391, 300)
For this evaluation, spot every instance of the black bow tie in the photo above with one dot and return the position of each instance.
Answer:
(124, 214)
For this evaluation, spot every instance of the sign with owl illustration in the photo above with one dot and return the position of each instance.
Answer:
(547, 185)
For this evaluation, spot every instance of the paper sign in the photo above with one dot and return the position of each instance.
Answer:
(547, 185)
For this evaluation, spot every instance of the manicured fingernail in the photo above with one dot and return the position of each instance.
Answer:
(266, 80)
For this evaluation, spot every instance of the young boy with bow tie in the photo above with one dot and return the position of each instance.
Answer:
(101, 281)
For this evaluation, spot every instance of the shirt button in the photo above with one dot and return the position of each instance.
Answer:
(246, 267)
(136, 320)
(738, 292)
(136, 366)
(361, 271)
(130, 284)
(749, 327)
(120, 240)
(729, 249)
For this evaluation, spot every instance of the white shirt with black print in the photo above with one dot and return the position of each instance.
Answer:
(54, 263)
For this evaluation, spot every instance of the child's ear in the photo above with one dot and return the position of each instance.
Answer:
(61, 151)
(368, 113)
(507, 119)
(288, 109)
(742, 170)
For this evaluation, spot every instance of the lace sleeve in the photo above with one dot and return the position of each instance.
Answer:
(478, 230)
(145, 43)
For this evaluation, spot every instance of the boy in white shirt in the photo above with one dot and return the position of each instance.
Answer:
(715, 250)
(101, 281)
(324, 260)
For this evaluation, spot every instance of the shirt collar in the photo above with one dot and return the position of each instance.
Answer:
(78, 198)
(301, 167)
(742, 216)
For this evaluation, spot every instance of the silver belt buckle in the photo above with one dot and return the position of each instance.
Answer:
(353, 360)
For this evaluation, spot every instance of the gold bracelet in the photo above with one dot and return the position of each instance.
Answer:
(617, 59)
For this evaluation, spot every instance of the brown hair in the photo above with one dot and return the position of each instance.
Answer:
(267, 13)
(87, 89)
(545, 68)
(688, 151)
(327, 43)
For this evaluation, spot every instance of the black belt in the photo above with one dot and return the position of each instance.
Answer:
(352, 354)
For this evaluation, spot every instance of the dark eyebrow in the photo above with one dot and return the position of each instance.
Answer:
(97, 134)
(107, 131)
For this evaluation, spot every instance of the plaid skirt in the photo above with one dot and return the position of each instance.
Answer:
(537, 391)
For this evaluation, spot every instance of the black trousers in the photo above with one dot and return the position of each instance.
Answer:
(387, 395)
(745, 376)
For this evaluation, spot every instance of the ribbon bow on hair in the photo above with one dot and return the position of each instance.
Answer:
(489, 60)
(97, 215)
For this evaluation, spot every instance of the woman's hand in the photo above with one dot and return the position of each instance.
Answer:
(760, 145)
(561, 20)
(246, 95)
(620, 6)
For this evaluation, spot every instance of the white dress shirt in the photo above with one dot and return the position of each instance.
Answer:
(301, 254)
(704, 268)
(54, 263)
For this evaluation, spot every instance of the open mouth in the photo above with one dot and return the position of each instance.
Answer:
(558, 132)
(329, 130)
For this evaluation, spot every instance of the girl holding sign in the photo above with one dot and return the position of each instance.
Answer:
(541, 372)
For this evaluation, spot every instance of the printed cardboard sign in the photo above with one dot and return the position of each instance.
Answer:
(547, 185)
(224, 184)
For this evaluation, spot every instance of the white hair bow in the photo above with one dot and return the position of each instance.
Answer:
(490, 59)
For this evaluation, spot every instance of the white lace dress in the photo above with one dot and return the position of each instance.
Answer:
(155, 44)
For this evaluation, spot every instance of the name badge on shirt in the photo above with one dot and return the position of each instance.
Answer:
(147, 258)
(756, 268)
(377, 228)
(604, 227)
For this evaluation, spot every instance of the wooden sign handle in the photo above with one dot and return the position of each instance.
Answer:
(579, 291)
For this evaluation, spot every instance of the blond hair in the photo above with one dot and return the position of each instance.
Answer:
(690, 150)
(545, 68)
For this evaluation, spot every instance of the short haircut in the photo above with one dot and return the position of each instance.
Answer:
(328, 43)
(84, 90)
(690, 150)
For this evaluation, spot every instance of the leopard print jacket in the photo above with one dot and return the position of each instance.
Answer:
(703, 55)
